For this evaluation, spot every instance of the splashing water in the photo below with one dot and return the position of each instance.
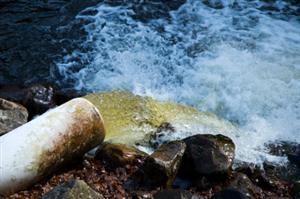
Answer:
(238, 59)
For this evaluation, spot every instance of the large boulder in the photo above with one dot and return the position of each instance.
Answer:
(73, 189)
(12, 115)
(208, 155)
(161, 167)
(132, 119)
(119, 154)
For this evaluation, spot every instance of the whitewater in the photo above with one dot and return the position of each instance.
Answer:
(237, 59)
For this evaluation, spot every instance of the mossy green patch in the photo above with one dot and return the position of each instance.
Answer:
(131, 119)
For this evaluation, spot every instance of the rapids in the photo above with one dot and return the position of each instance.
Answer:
(238, 59)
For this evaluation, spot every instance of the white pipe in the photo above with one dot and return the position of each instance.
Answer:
(38, 148)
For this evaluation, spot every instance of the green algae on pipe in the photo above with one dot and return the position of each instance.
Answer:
(38, 148)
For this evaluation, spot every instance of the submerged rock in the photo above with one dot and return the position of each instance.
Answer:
(208, 155)
(258, 176)
(74, 189)
(291, 150)
(119, 154)
(132, 119)
(161, 167)
(12, 115)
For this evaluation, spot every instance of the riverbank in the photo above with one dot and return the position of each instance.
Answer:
(197, 166)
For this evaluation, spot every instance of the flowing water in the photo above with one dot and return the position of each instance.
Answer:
(237, 59)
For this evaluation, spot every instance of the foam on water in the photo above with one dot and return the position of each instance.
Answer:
(240, 62)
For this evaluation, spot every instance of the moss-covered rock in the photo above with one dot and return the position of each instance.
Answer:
(74, 189)
(132, 119)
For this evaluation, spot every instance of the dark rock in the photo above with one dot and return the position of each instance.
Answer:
(39, 99)
(161, 167)
(12, 115)
(164, 129)
(242, 183)
(283, 148)
(173, 194)
(295, 192)
(286, 172)
(74, 189)
(258, 176)
(208, 155)
(119, 154)
(291, 150)
(230, 194)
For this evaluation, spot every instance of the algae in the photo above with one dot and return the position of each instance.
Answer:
(131, 119)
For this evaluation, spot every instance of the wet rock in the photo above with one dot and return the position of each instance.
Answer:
(39, 99)
(173, 194)
(295, 192)
(161, 167)
(12, 115)
(119, 154)
(258, 176)
(291, 150)
(230, 193)
(132, 119)
(208, 155)
(242, 183)
(74, 189)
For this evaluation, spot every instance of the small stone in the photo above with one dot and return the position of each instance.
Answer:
(39, 99)
(242, 183)
(161, 167)
(73, 189)
(12, 115)
(258, 176)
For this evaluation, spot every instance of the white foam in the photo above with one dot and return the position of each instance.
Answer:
(241, 64)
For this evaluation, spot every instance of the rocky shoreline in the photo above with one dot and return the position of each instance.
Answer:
(199, 166)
